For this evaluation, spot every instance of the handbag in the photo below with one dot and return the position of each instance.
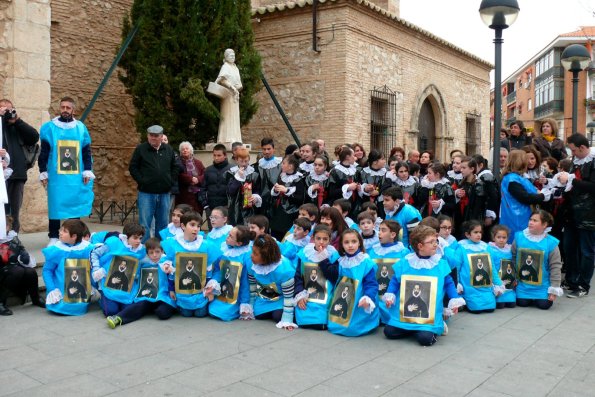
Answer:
(31, 152)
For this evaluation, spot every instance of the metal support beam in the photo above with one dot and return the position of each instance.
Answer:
(280, 110)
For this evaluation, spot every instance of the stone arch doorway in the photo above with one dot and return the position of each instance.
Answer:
(426, 137)
(428, 122)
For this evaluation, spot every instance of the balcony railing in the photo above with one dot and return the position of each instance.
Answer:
(555, 71)
(510, 98)
(548, 109)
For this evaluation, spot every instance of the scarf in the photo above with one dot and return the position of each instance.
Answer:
(191, 169)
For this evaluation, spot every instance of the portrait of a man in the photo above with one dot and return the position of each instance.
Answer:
(77, 284)
(418, 299)
(149, 284)
(68, 162)
(529, 266)
(343, 301)
(480, 270)
(230, 272)
(121, 273)
(314, 283)
(191, 273)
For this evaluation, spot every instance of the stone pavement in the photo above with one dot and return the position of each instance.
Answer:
(513, 352)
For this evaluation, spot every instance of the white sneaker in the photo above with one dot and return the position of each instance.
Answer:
(52, 241)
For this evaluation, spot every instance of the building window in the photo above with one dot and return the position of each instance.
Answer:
(473, 133)
(529, 104)
(383, 119)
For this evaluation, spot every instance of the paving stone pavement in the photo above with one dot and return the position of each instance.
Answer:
(512, 352)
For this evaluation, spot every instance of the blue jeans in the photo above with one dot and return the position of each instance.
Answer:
(153, 205)
(202, 312)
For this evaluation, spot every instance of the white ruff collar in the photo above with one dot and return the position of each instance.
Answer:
(124, 241)
(268, 164)
(249, 169)
(189, 245)
(371, 241)
(265, 269)
(531, 174)
(174, 230)
(457, 176)
(425, 182)
(65, 126)
(586, 159)
(487, 171)
(290, 178)
(312, 255)
(348, 262)
(404, 183)
(219, 231)
(78, 247)
(382, 251)
(534, 237)
(235, 251)
(475, 247)
(370, 171)
(347, 171)
(300, 243)
(505, 250)
(307, 167)
(318, 178)
(420, 263)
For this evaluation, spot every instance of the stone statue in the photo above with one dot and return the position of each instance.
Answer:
(229, 77)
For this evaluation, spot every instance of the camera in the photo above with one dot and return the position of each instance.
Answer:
(10, 114)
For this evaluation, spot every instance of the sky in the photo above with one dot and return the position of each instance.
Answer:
(539, 23)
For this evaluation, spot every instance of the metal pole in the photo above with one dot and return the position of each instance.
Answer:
(574, 100)
(280, 110)
(497, 103)
(109, 72)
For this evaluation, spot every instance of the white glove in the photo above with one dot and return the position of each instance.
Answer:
(53, 297)
(460, 288)
(99, 275)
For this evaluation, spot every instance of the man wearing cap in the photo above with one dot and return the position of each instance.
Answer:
(154, 169)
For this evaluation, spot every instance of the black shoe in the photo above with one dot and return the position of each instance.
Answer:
(38, 302)
(4, 311)
(578, 293)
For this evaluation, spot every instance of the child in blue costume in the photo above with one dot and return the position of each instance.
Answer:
(387, 254)
(115, 268)
(538, 262)
(310, 212)
(501, 255)
(218, 234)
(312, 291)
(344, 206)
(152, 295)
(478, 279)
(445, 237)
(372, 208)
(365, 221)
(354, 305)
(415, 294)
(173, 228)
(194, 277)
(67, 271)
(234, 300)
(272, 282)
(395, 209)
(295, 242)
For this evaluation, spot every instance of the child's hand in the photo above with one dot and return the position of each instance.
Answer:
(551, 297)
(172, 295)
(302, 304)
(352, 186)
(167, 268)
(364, 303)
(389, 303)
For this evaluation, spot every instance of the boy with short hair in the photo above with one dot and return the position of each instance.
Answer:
(259, 224)
(365, 221)
(395, 209)
(308, 211)
(213, 192)
(372, 208)
(66, 271)
(297, 240)
(344, 206)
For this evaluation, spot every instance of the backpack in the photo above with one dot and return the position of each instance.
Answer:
(31, 152)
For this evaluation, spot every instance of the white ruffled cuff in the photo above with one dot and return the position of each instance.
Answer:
(43, 176)
(53, 297)
(569, 183)
(290, 191)
(555, 291)
(99, 274)
(286, 324)
(274, 193)
(446, 312)
(32, 262)
(498, 289)
(246, 311)
(238, 177)
(490, 214)
(88, 174)
(215, 285)
(389, 297)
(302, 295)
(370, 302)
(257, 200)
(460, 288)
(455, 303)
(437, 210)
(171, 267)
(312, 193)
(7, 173)
(346, 193)
(362, 191)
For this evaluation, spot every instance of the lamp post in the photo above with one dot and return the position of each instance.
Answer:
(575, 58)
(498, 15)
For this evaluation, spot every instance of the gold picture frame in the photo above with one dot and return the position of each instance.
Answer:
(149, 283)
(418, 299)
(528, 266)
(480, 270)
(315, 283)
(67, 159)
(231, 272)
(382, 278)
(191, 272)
(121, 273)
(343, 301)
(77, 283)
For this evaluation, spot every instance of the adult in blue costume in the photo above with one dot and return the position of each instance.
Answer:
(518, 194)
(65, 167)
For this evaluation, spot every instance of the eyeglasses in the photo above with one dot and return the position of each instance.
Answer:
(446, 227)
(214, 218)
(432, 242)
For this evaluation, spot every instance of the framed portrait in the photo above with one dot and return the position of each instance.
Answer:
(528, 264)
(77, 284)
(507, 273)
(418, 299)
(149, 283)
(121, 274)
(269, 292)
(384, 273)
(315, 283)
(480, 270)
(343, 301)
(230, 281)
(68, 157)
(191, 272)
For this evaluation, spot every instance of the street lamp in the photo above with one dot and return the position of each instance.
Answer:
(498, 15)
(575, 58)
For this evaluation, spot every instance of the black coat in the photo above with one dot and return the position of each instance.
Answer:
(10, 142)
(155, 171)
(214, 187)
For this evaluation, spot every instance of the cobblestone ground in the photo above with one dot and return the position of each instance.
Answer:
(513, 352)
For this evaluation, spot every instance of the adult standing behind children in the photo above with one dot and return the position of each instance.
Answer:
(69, 183)
(153, 167)
(191, 177)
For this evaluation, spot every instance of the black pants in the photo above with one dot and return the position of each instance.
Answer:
(20, 280)
(275, 315)
(542, 304)
(424, 338)
(137, 310)
(318, 327)
(14, 189)
(502, 305)
(480, 311)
